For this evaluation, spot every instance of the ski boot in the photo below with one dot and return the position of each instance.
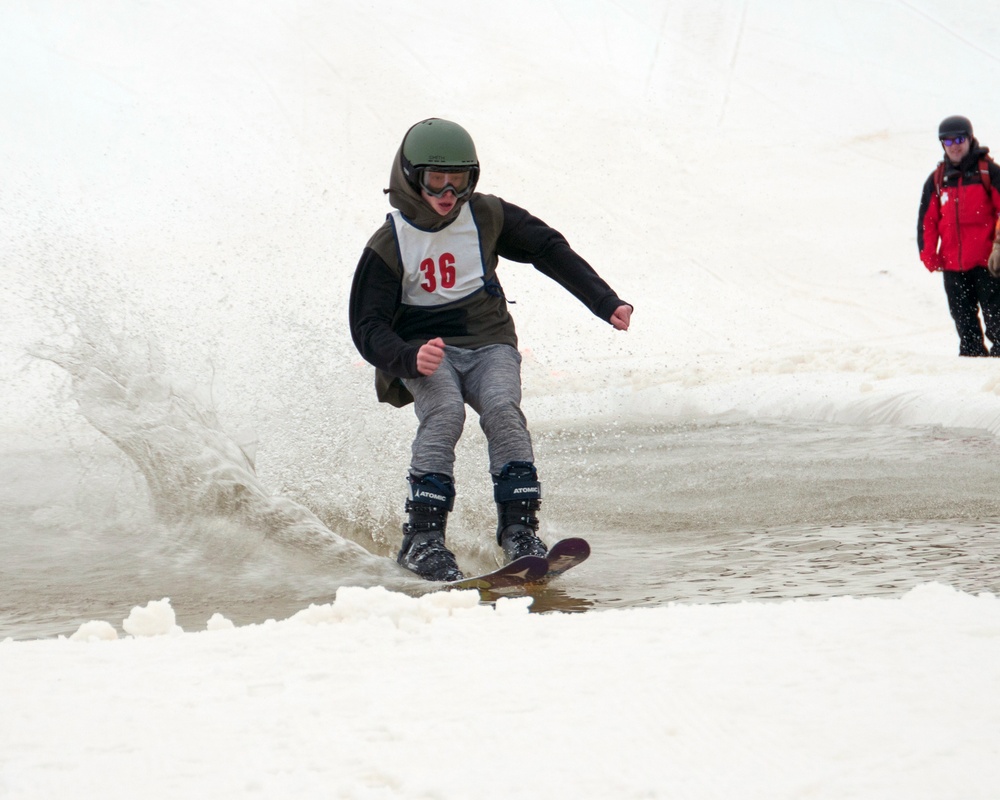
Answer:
(423, 551)
(518, 495)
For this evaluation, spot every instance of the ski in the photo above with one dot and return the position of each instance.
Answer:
(566, 554)
(561, 557)
(527, 569)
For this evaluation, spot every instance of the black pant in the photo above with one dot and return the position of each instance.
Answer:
(967, 293)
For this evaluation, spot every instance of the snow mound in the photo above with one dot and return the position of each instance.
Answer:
(95, 631)
(217, 622)
(357, 604)
(156, 618)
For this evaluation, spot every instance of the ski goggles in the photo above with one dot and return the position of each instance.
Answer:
(954, 140)
(438, 182)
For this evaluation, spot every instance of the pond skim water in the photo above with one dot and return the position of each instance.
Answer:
(728, 512)
(701, 513)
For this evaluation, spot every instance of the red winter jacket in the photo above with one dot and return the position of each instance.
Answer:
(955, 230)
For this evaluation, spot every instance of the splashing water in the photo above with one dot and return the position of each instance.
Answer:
(192, 466)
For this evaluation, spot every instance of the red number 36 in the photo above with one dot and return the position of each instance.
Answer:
(443, 272)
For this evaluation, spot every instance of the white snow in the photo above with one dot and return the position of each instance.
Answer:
(746, 173)
(381, 695)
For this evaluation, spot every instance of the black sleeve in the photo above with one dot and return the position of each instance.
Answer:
(994, 169)
(994, 193)
(925, 201)
(375, 296)
(525, 238)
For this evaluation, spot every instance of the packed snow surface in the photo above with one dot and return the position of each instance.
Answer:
(383, 695)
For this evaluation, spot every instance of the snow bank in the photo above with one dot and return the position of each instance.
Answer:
(380, 695)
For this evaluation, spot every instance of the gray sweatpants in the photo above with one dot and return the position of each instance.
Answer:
(489, 381)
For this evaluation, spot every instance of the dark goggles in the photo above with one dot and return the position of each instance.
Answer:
(439, 182)
(954, 140)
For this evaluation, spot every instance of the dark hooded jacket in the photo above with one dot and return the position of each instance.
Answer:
(388, 333)
(955, 227)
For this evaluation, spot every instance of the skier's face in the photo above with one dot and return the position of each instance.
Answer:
(956, 148)
(442, 190)
(441, 205)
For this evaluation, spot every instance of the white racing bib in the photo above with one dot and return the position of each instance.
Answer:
(442, 266)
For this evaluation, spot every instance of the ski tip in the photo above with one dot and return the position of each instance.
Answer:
(573, 545)
(566, 554)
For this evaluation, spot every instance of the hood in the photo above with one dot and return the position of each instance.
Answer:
(411, 204)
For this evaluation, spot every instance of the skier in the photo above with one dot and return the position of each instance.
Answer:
(955, 229)
(428, 311)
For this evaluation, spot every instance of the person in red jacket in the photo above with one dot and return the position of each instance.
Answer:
(955, 230)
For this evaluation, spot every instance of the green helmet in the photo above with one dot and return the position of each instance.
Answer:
(440, 146)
